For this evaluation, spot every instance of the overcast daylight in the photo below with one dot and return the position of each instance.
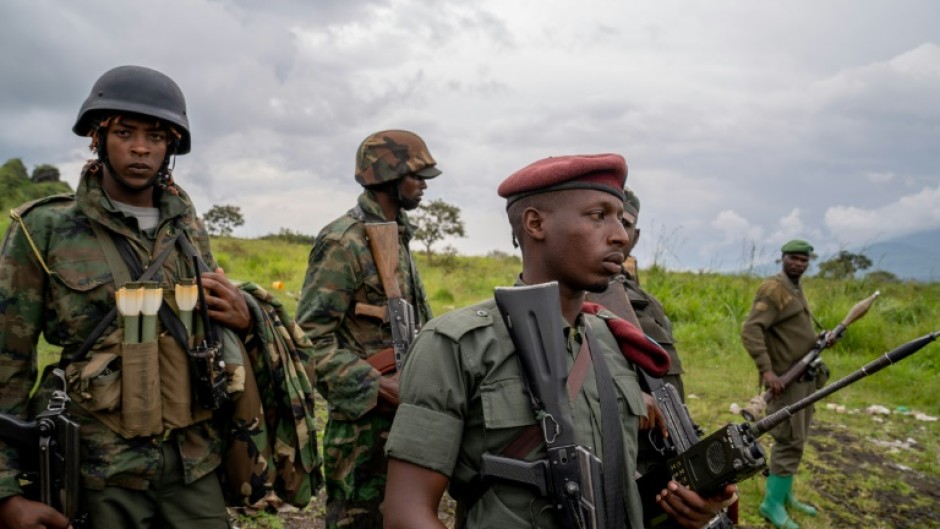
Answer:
(744, 123)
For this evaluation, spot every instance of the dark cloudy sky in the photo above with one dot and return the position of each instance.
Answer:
(744, 123)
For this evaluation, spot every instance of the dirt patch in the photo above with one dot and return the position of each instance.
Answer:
(860, 486)
(868, 488)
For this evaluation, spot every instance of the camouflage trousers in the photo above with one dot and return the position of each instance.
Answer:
(791, 435)
(356, 468)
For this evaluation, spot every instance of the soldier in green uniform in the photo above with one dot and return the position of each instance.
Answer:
(342, 309)
(649, 311)
(59, 269)
(462, 390)
(778, 332)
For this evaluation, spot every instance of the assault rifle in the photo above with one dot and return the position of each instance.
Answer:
(732, 453)
(810, 361)
(571, 476)
(683, 433)
(383, 242)
(49, 454)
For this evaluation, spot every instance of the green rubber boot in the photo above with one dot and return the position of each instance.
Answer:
(772, 508)
(804, 508)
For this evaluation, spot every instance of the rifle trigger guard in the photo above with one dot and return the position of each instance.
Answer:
(545, 428)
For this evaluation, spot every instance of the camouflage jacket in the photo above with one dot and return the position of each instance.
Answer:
(779, 329)
(63, 296)
(340, 274)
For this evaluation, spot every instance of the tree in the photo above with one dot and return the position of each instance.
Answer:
(843, 265)
(434, 221)
(221, 220)
(45, 173)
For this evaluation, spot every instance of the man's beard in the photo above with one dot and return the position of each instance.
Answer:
(408, 204)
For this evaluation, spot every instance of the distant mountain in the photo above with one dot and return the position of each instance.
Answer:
(915, 256)
(910, 257)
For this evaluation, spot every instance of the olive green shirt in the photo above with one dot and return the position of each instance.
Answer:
(779, 329)
(653, 320)
(462, 395)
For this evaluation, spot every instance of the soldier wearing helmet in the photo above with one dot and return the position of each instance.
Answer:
(341, 310)
(61, 263)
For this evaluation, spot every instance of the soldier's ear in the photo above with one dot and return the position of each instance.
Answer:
(636, 236)
(533, 224)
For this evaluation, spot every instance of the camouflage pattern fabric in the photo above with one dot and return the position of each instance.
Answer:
(55, 280)
(391, 154)
(341, 274)
(272, 454)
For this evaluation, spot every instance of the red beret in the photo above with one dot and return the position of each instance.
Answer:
(604, 172)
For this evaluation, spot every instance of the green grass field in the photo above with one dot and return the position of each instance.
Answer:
(845, 471)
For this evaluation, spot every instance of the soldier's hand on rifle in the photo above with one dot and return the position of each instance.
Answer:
(225, 302)
(830, 338)
(688, 508)
(388, 393)
(773, 382)
(654, 418)
(17, 512)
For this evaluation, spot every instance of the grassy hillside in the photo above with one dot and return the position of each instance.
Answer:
(854, 459)
(860, 469)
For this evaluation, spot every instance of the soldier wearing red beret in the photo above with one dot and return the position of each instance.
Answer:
(462, 391)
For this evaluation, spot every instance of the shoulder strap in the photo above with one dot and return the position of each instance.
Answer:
(169, 318)
(106, 240)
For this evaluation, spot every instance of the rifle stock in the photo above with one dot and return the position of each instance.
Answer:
(383, 242)
(758, 404)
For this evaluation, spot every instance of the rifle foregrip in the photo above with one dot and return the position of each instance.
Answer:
(533, 473)
(681, 430)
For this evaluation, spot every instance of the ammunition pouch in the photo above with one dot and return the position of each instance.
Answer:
(136, 390)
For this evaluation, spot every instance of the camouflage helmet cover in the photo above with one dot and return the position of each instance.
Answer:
(390, 155)
(631, 202)
(138, 90)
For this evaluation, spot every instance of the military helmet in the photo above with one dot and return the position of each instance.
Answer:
(141, 91)
(390, 155)
(631, 202)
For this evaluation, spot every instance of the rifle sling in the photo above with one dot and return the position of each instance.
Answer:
(612, 438)
(612, 435)
(169, 318)
(105, 322)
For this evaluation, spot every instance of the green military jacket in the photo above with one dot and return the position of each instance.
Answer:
(653, 320)
(63, 296)
(462, 395)
(779, 329)
(341, 273)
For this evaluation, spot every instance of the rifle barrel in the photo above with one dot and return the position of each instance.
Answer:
(767, 423)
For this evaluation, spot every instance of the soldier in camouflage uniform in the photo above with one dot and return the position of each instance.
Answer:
(59, 269)
(649, 311)
(340, 288)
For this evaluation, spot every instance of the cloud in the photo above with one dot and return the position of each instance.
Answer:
(737, 119)
(735, 227)
(909, 214)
